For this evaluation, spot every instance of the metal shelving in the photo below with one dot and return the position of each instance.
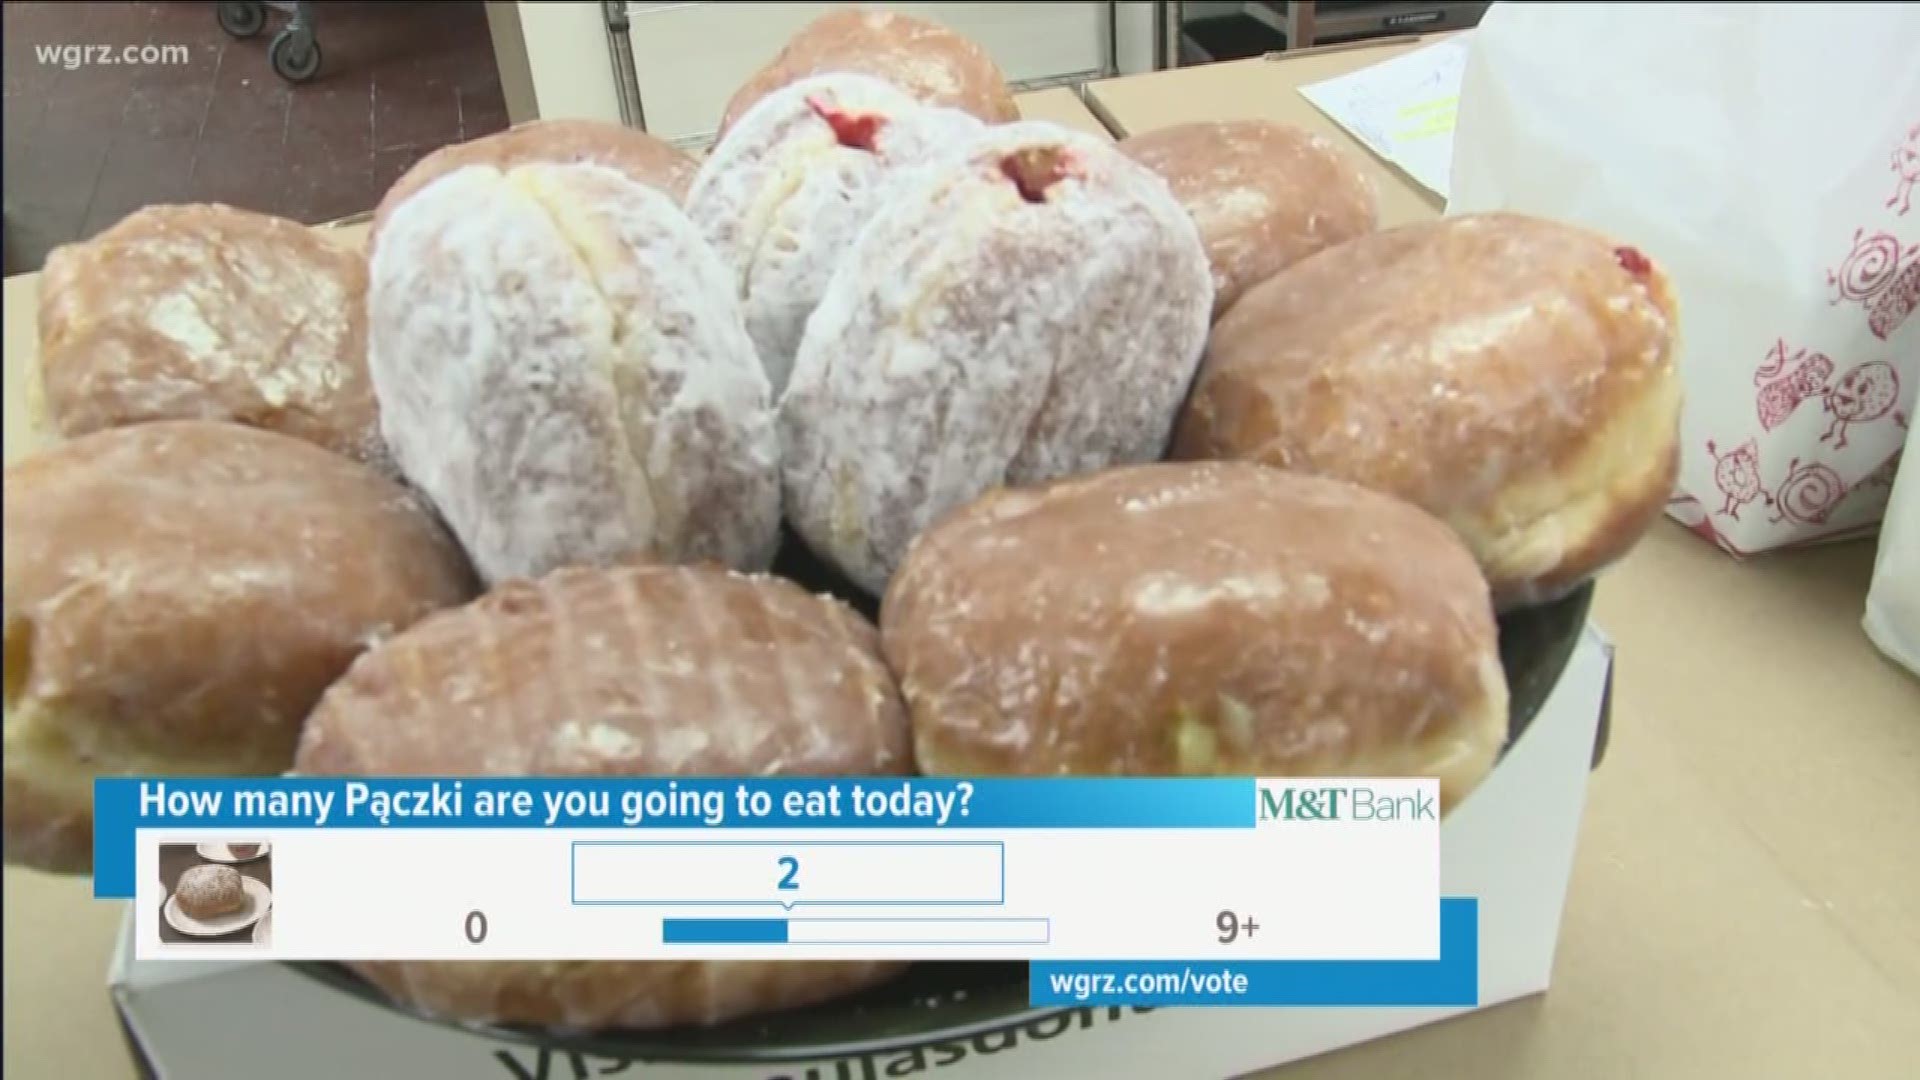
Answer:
(1301, 24)
(660, 89)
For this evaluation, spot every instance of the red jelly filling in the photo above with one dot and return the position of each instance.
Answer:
(1036, 169)
(858, 131)
(1633, 261)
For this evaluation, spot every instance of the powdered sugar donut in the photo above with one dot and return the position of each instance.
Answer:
(1030, 307)
(209, 891)
(782, 197)
(634, 154)
(563, 370)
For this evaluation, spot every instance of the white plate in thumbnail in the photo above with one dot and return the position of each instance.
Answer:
(224, 853)
(259, 900)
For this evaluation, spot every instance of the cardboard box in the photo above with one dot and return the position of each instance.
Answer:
(1510, 844)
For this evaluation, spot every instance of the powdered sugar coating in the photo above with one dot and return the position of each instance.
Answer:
(207, 890)
(640, 157)
(781, 198)
(973, 338)
(562, 368)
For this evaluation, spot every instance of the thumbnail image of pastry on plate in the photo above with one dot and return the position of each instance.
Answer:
(217, 892)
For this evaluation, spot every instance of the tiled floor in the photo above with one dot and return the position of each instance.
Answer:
(87, 143)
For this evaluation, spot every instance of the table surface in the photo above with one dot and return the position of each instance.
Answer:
(1745, 900)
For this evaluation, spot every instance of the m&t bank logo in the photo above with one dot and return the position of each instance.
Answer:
(1344, 804)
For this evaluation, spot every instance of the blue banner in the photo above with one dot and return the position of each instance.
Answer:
(1452, 980)
(122, 805)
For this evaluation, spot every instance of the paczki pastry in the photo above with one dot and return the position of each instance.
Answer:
(631, 671)
(562, 367)
(1513, 376)
(1197, 619)
(209, 891)
(1031, 307)
(928, 61)
(206, 312)
(1264, 195)
(177, 596)
(782, 197)
(638, 156)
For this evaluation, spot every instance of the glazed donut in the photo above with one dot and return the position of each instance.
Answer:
(1264, 195)
(206, 312)
(1197, 619)
(1511, 375)
(178, 594)
(630, 671)
(928, 61)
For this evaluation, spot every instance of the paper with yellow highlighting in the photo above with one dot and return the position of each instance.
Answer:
(1403, 109)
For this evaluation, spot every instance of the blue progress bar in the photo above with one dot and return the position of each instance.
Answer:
(723, 931)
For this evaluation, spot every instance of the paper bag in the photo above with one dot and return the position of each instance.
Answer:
(1893, 601)
(1767, 156)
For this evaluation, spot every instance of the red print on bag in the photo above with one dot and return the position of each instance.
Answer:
(1873, 275)
(1864, 394)
(1737, 474)
(1786, 381)
(1808, 494)
(1906, 165)
(1881, 477)
(1892, 307)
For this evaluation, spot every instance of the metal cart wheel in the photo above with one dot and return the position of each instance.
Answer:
(294, 54)
(242, 19)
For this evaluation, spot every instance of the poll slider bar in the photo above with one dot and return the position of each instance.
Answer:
(908, 931)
